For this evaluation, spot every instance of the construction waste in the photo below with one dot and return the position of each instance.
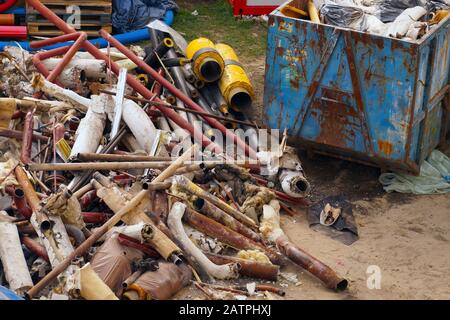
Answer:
(402, 19)
(125, 174)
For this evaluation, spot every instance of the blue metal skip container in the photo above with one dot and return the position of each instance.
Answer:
(361, 97)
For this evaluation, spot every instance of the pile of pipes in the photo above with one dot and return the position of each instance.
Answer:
(114, 181)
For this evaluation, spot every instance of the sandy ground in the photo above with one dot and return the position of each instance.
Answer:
(407, 237)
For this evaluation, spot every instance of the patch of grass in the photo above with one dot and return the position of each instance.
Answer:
(215, 21)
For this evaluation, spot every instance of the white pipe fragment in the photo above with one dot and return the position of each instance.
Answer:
(403, 22)
(90, 130)
(12, 257)
(55, 91)
(94, 69)
(141, 126)
(227, 271)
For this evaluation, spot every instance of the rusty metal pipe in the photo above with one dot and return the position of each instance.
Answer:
(85, 157)
(186, 185)
(88, 198)
(86, 166)
(219, 215)
(95, 217)
(328, 276)
(249, 268)
(224, 234)
(35, 247)
(14, 134)
(32, 199)
(27, 139)
(21, 203)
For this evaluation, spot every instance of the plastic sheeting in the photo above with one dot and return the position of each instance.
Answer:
(130, 15)
(434, 177)
(166, 281)
(6, 294)
(112, 262)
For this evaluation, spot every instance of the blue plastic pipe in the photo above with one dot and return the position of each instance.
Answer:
(125, 38)
(16, 10)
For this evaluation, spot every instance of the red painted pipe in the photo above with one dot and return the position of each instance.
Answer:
(55, 40)
(135, 84)
(95, 217)
(21, 204)
(67, 57)
(19, 201)
(35, 247)
(38, 57)
(19, 114)
(87, 199)
(13, 32)
(7, 4)
(27, 139)
(7, 19)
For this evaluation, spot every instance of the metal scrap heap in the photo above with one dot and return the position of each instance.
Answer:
(125, 173)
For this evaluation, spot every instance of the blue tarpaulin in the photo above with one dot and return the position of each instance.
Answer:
(129, 15)
(6, 294)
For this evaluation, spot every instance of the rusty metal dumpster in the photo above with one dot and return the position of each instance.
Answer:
(362, 97)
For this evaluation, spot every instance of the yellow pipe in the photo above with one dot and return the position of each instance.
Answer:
(313, 13)
(235, 84)
(208, 65)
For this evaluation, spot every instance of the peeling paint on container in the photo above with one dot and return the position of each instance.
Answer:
(357, 96)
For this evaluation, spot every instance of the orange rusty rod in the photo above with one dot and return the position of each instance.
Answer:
(249, 268)
(32, 199)
(219, 215)
(35, 247)
(27, 139)
(327, 275)
(224, 234)
(7, 19)
(86, 157)
(14, 134)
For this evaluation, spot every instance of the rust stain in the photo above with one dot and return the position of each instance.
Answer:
(397, 44)
(385, 147)
(337, 119)
(367, 39)
(281, 51)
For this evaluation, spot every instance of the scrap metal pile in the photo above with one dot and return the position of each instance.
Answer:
(115, 185)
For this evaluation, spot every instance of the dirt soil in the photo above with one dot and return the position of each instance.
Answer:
(406, 236)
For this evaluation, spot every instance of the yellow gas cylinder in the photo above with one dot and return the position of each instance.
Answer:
(208, 65)
(235, 84)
